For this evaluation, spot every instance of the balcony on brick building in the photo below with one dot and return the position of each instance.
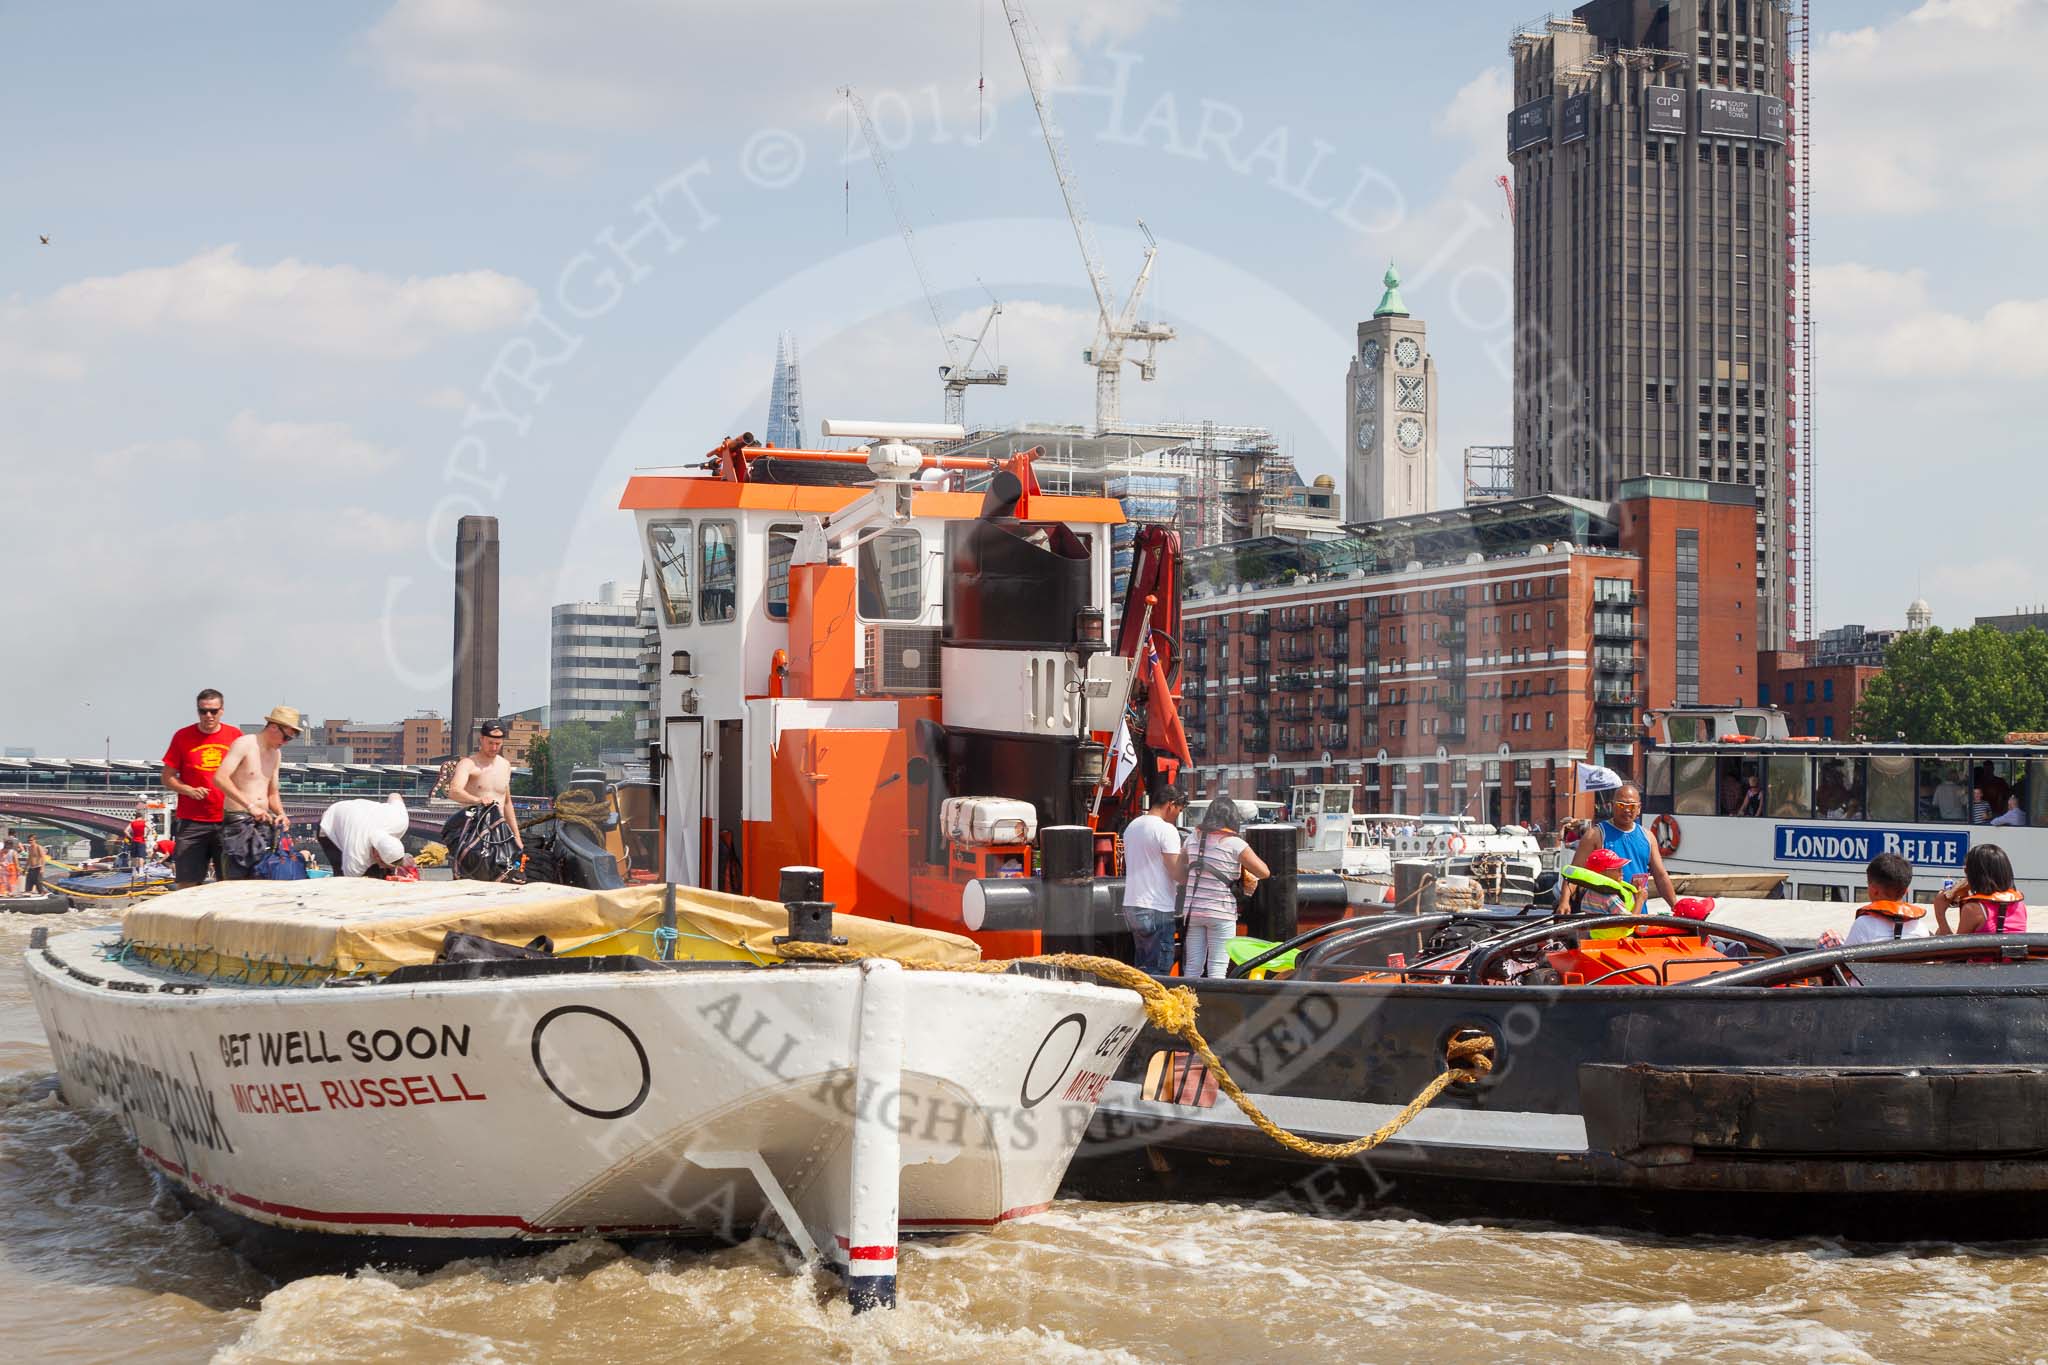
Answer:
(1337, 647)
(1257, 687)
(1451, 698)
(1295, 711)
(1257, 737)
(1614, 626)
(1194, 632)
(1334, 708)
(1295, 680)
(1258, 623)
(1338, 738)
(1297, 619)
(1334, 614)
(1297, 651)
(1622, 664)
(1615, 729)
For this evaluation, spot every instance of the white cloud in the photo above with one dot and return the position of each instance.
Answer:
(329, 309)
(1885, 323)
(1930, 111)
(626, 63)
(448, 398)
(23, 353)
(305, 448)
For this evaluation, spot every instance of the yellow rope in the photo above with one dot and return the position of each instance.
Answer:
(1172, 1010)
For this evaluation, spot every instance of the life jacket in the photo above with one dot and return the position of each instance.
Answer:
(2005, 912)
(1606, 887)
(1900, 913)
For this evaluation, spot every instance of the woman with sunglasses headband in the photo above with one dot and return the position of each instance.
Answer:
(1623, 835)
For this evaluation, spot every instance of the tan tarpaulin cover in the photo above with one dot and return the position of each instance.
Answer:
(1750, 885)
(350, 924)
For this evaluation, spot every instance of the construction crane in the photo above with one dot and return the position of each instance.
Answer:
(1114, 327)
(956, 374)
(1507, 187)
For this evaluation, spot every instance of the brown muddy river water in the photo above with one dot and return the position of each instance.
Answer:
(96, 1264)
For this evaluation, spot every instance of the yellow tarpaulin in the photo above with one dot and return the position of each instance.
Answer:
(352, 924)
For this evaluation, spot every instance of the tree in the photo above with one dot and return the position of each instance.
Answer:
(1958, 687)
(580, 743)
(540, 780)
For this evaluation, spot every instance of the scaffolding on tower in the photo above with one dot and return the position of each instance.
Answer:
(1799, 427)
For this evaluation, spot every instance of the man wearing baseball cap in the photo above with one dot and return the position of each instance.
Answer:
(487, 845)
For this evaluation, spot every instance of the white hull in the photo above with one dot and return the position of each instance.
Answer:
(683, 1102)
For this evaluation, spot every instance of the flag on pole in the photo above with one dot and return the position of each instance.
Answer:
(1162, 718)
(1126, 757)
(1595, 778)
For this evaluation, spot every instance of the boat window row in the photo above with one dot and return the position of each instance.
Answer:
(1958, 789)
(696, 572)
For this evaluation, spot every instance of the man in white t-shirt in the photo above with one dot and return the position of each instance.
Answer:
(1153, 865)
(366, 838)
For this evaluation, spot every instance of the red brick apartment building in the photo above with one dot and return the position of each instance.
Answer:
(1463, 661)
(1818, 699)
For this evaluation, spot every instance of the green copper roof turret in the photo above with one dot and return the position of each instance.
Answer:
(1390, 302)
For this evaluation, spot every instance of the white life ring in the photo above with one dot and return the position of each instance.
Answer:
(1456, 844)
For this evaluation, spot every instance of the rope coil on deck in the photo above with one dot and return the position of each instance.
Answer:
(1172, 1010)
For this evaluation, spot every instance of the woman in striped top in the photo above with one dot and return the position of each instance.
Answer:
(1216, 859)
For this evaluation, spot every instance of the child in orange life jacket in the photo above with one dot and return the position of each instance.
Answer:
(1888, 914)
(1987, 902)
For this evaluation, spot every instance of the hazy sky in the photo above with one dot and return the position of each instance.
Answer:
(323, 279)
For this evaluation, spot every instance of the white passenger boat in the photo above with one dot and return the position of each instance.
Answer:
(295, 1063)
(1817, 813)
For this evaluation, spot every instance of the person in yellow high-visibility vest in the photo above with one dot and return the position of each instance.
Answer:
(1600, 891)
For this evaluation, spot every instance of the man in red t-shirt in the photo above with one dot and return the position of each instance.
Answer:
(189, 764)
(138, 837)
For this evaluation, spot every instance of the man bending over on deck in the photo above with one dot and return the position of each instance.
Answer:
(484, 841)
(247, 780)
(366, 838)
(1622, 835)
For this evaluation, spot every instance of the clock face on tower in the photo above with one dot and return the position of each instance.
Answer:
(1370, 354)
(1409, 433)
(1406, 353)
(1368, 432)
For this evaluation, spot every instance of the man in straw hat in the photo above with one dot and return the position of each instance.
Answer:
(247, 781)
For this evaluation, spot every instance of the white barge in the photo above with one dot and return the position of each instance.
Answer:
(295, 1063)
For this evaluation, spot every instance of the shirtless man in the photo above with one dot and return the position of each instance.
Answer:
(247, 781)
(484, 778)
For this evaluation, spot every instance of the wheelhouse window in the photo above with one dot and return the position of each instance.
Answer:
(718, 594)
(891, 576)
(669, 549)
(781, 549)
